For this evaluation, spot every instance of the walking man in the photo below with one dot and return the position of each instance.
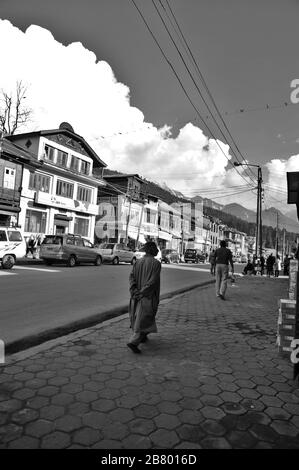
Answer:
(145, 296)
(224, 257)
(212, 262)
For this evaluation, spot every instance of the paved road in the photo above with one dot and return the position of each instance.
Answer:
(36, 298)
(211, 378)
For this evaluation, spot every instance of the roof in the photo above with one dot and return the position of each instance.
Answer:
(67, 132)
(14, 150)
(124, 175)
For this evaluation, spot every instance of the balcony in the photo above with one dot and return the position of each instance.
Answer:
(10, 196)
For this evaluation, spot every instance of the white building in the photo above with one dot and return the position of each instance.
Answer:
(61, 195)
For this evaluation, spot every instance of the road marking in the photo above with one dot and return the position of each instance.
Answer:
(186, 268)
(4, 273)
(38, 269)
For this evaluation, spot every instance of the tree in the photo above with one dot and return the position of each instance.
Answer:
(13, 112)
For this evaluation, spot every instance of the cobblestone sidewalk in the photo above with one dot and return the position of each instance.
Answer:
(211, 378)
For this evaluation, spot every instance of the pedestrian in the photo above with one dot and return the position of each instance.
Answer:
(277, 266)
(262, 261)
(249, 268)
(286, 265)
(31, 246)
(224, 257)
(270, 264)
(145, 296)
(212, 261)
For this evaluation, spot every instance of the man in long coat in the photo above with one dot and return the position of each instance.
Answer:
(145, 296)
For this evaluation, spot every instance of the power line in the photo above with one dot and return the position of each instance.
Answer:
(181, 84)
(193, 60)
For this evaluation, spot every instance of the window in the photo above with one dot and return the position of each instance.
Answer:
(85, 167)
(78, 241)
(87, 243)
(14, 236)
(61, 158)
(9, 178)
(83, 194)
(39, 182)
(75, 163)
(3, 237)
(64, 189)
(52, 240)
(49, 153)
(35, 221)
(70, 241)
(81, 226)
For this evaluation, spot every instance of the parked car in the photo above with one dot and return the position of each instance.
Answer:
(170, 256)
(141, 252)
(194, 256)
(69, 249)
(117, 252)
(12, 246)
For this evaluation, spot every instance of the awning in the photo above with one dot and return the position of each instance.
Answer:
(62, 217)
(62, 223)
(9, 210)
(165, 235)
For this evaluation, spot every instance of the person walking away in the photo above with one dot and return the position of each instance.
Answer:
(145, 296)
(212, 261)
(286, 265)
(262, 261)
(224, 257)
(277, 266)
(269, 264)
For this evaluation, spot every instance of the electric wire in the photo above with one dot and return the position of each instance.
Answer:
(181, 84)
(199, 73)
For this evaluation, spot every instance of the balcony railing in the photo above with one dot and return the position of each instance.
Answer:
(10, 195)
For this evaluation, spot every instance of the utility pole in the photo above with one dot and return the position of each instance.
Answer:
(129, 198)
(259, 231)
(257, 220)
(283, 244)
(276, 241)
(260, 180)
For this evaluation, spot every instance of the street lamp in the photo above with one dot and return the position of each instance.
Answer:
(259, 235)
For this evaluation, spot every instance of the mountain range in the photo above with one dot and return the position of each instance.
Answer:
(270, 217)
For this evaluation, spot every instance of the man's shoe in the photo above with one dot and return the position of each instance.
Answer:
(221, 297)
(134, 348)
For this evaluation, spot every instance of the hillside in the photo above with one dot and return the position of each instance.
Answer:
(269, 217)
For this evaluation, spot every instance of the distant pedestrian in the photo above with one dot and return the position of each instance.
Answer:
(212, 261)
(286, 265)
(262, 262)
(224, 257)
(270, 265)
(145, 296)
(277, 266)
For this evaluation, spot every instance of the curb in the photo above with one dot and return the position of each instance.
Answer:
(87, 322)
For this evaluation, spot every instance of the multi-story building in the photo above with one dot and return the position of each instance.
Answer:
(122, 210)
(13, 160)
(60, 196)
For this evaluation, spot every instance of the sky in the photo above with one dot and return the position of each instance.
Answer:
(98, 66)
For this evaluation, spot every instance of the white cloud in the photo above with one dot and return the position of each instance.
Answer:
(69, 83)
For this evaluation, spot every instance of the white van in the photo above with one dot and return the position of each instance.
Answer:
(12, 246)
